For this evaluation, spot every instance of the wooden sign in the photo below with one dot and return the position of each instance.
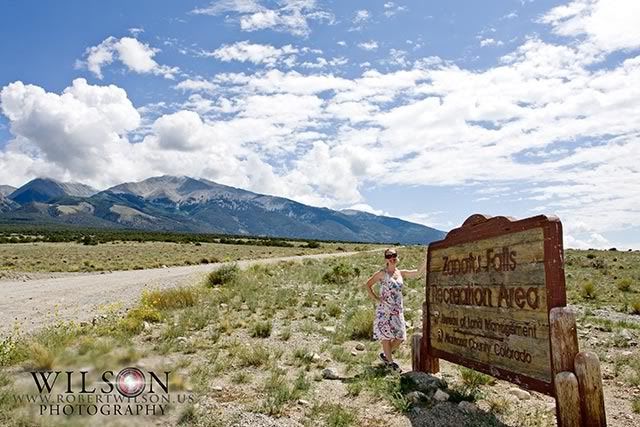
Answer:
(490, 286)
(495, 302)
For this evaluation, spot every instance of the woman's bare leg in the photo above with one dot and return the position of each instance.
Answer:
(386, 348)
(395, 344)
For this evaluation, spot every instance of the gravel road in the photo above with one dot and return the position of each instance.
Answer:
(33, 304)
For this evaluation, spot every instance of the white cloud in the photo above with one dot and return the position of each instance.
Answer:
(368, 45)
(361, 16)
(199, 85)
(490, 42)
(256, 53)
(607, 25)
(293, 16)
(136, 56)
(390, 9)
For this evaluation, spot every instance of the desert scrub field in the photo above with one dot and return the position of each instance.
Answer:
(76, 257)
(253, 347)
(604, 279)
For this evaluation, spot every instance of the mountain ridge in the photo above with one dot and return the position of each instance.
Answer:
(186, 204)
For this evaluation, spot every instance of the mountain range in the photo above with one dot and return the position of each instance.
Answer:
(184, 204)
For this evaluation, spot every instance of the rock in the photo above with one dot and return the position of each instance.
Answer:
(421, 381)
(354, 352)
(330, 329)
(416, 397)
(360, 347)
(244, 307)
(626, 335)
(329, 374)
(217, 388)
(164, 266)
(146, 326)
(315, 357)
(467, 406)
(441, 396)
(223, 305)
(520, 394)
(303, 402)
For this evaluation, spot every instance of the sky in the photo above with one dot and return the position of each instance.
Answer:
(426, 111)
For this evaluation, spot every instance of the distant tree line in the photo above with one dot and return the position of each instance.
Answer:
(89, 236)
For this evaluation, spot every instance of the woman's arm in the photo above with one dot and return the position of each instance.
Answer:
(369, 286)
(412, 274)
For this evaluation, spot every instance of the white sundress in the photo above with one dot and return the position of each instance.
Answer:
(389, 323)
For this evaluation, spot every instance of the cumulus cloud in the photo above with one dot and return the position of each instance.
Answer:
(547, 129)
(607, 25)
(368, 45)
(136, 56)
(293, 16)
(246, 51)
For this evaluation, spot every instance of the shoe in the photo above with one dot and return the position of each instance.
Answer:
(383, 358)
(395, 367)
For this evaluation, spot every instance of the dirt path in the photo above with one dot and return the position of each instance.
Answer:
(32, 304)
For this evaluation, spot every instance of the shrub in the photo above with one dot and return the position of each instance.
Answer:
(256, 355)
(635, 306)
(624, 284)
(588, 290)
(223, 276)
(360, 324)
(169, 298)
(590, 256)
(312, 245)
(635, 405)
(41, 357)
(341, 274)
(261, 330)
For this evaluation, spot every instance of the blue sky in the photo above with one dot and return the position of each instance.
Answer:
(428, 111)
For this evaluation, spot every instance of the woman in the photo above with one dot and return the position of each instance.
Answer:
(389, 325)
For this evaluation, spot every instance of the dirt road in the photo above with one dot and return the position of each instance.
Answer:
(32, 304)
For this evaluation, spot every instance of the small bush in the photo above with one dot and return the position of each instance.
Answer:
(590, 256)
(360, 324)
(334, 309)
(41, 357)
(635, 405)
(635, 306)
(588, 290)
(472, 379)
(223, 276)
(624, 284)
(256, 355)
(285, 334)
(341, 274)
(261, 330)
(168, 299)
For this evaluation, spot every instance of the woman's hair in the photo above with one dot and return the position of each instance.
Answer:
(390, 251)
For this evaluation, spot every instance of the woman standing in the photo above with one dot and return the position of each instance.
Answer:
(389, 325)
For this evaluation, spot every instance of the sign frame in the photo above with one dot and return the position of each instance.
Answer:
(480, 227)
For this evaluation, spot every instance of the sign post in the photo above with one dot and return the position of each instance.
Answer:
(495, 302)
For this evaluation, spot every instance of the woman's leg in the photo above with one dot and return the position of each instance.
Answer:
(395, 344)
(386, 348)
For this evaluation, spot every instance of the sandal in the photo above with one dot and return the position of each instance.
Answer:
(395, 367)
(383, 358)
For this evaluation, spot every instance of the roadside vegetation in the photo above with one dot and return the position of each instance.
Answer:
(257, 343)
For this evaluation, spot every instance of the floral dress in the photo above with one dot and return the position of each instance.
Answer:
(389, 322)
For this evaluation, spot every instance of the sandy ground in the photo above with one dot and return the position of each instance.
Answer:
(31, 303)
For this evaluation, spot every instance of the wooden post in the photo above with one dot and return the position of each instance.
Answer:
(564, 339)
(564, 347)
(567, 400)
(416, 343)
(428, 363)
(587, 368)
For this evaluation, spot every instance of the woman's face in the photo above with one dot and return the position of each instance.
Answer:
(391, 259)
